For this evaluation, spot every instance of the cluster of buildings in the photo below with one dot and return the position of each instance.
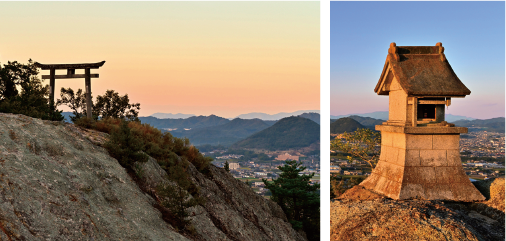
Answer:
(230, 156)
(483, 144)
(253, 172)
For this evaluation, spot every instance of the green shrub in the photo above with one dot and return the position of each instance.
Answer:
(85, 122)
(125, 146)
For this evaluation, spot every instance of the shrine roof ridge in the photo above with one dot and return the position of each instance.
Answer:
(70, 66)
(421, 71)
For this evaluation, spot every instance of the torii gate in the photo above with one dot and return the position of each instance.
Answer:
(71, 73)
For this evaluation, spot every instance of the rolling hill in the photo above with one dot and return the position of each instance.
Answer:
(225, 134)
(367, 121)
(345, 124)
(288, 133)
(312, 116)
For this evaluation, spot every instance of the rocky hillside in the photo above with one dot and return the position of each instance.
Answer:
(359, 214)
(57, 184)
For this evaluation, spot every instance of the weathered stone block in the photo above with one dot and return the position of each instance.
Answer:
(412, 190)
(460, 176)
(465, 192)
(389, 170)
(445, 142)
(412, 158)
(385, 153)
(382, 185)
(438, 191)
(371, 181)
(427, 175)
(393, 189)
(392, 155)
(398, 140)
(379, 169)
(453, 158)
(401, 157)
(386, 138)
(444, 175)
(432, 158)
(420, 142)
(411, 176)
(452, 176)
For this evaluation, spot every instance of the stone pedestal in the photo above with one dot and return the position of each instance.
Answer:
(421, 162)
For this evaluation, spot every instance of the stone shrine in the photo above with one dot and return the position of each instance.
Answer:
(420, 155)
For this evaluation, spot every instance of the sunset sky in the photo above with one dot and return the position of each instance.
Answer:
(223, 58)
(472, 34)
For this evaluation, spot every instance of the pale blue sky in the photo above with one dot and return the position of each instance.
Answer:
(471, 32)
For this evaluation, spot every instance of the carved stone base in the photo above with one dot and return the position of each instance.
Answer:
(422, 165)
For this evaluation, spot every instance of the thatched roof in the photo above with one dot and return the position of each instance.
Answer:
(421, 71)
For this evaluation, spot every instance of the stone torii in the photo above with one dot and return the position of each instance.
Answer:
(71, 73)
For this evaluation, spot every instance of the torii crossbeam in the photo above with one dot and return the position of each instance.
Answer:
(71, 73)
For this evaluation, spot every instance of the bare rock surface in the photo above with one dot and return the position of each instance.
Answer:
(57, 183)
(360, 214)
(236, 211)
(232, 210)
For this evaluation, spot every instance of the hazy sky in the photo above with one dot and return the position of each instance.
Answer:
(471, 32)
(223, 58)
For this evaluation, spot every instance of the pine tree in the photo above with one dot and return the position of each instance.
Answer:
(227, 168)
(298, 198)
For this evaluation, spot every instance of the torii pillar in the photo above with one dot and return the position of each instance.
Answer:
(71, 73)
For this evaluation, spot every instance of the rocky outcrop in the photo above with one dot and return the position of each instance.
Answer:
(360, 214)
(234, 212)
(57, 184)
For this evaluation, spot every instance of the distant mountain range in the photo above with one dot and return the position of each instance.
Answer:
(345, 124)
(171, 116)
(383, 115)
(225, 134)
(278, 116)
(188, 123)
(288, 133)
(494, 124)
(216, 130)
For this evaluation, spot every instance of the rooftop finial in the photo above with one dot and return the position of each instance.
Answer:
(441, 51)
(393, 51)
